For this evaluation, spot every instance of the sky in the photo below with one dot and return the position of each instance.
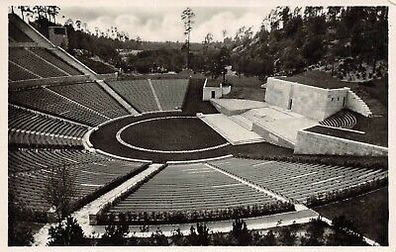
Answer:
(163, 23)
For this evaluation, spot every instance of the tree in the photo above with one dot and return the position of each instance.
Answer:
(114, 236)
(187, 17)
(269, 239)
(159, 239)
(219, 62)
(287, 236)
(17, 235)
(52, 12)
(314, 234)
(78, 24)
(68, 233)
(343, 233)
(224, 32)
(60, 190)
(208, 40)
(200, 236)
(178, 238)
(25, 9)
(240, 233)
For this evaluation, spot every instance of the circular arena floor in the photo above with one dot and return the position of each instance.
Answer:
(160, 137)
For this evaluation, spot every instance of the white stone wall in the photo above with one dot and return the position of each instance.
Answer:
(270, 137)
(355, 103)
(314, 143)
(335, 101)
(312, 102)
(226, 90)
(219, 91)
(309, 101)
(277, 92)
(207, 93)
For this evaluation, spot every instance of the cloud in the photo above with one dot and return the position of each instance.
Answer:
(164, 23)
(226, 21)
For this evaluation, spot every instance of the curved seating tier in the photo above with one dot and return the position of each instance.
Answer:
(298, 181)
(16, 73)
(46, 101)
(46, 55)
(137, 93)
(92, 96)
(31, 170)
(191, 187)
(342, 119)
(170, 93)
(36, 139)
(36, 63)
(16, 35)
(31, 63)
(27, 127)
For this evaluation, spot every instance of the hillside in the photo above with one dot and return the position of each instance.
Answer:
(351, 43)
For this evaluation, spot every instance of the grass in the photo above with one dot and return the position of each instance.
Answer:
(379, 90)
(255, 94)
(243, 87)
(369, 212)
(370, 137)
(172, 134)
(376, 128)
(318, 79)
(193, 101)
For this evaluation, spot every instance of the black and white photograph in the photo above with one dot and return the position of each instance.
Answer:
(184, 123)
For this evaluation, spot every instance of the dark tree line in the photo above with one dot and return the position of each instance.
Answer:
(291, 39)
(315, 233)
(288, 42)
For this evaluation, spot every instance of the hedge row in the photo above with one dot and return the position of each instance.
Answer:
(322, 198)
(347, 161)
(140, 218)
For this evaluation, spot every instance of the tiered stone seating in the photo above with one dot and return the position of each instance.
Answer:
(91, 172)
(43, 100)
(93, 96)
(23, 160)
(16, 73)
(170, 93)
(36, 139)
(24, 58)
(137, 93)
(297, 181)
(342, 119)
(27, 127)
(48, 56)
(16, 35)
(191, 187)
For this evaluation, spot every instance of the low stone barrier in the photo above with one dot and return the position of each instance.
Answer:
(315, 143)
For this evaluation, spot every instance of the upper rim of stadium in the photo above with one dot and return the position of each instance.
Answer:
(24, 38)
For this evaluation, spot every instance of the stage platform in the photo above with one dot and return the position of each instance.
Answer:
(278, 126)
(233, 132)
(244, 121)
(236, 106)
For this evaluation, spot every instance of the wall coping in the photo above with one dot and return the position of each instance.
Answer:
(342, 129)
(346, 140)
(200, 160)
(309, 86)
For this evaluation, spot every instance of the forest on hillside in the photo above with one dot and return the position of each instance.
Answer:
(339, 40)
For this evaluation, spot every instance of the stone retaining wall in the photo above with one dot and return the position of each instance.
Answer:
(271, 137)
(314, 143)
